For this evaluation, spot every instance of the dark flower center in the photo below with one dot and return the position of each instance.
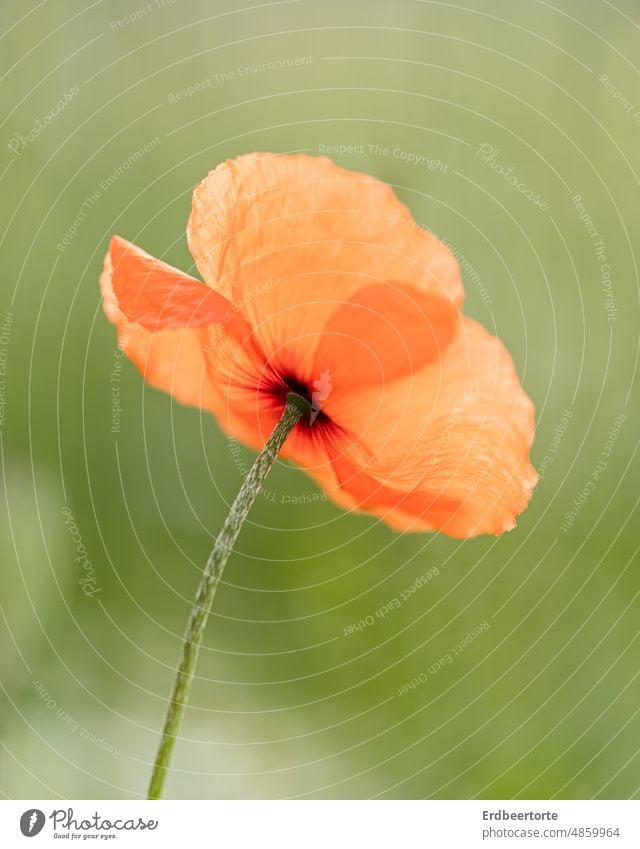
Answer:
(309, 400)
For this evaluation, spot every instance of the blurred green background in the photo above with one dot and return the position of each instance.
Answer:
(545, 701)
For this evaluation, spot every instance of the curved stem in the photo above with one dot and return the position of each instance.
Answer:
(211, 575)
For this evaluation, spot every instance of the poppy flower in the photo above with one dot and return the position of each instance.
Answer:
(319, 282)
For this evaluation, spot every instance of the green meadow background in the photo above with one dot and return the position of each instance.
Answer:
(514, 671)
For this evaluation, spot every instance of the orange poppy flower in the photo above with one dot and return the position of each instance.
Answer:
(319, 282)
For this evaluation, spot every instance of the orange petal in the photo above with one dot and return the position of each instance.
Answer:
(446, 448)
(170, 359)
(155, 295)
(291, 239)
(380, 334)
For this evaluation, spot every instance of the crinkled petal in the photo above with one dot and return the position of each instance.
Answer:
(293, 239)
(158, 330)
(446, 448)
(155, 295)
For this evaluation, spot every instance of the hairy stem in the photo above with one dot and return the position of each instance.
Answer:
(211, 575)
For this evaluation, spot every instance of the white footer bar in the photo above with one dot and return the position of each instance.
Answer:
(320, 824)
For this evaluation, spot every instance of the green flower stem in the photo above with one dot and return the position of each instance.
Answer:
(293, 411)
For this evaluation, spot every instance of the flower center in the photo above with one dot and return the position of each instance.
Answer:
(310, 400)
